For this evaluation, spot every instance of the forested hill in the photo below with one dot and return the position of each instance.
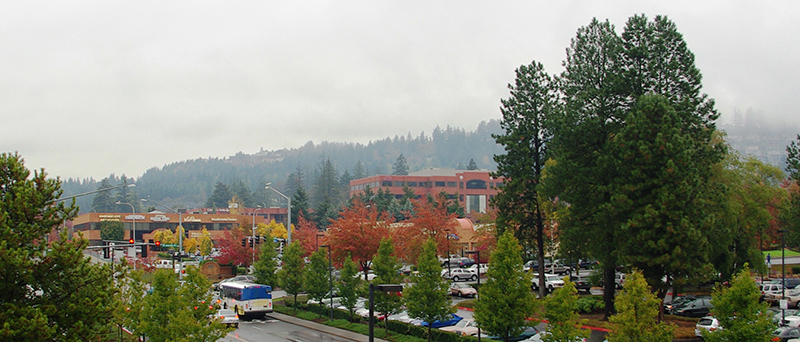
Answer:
(191, 182)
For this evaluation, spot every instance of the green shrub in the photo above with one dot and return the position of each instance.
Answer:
(591, 304)
(796, 269)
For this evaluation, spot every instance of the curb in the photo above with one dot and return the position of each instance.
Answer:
(341, 333)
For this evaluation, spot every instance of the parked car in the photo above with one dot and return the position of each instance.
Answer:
(539, 337)
(227, 317)
(533, 265)
(780, 314)
(697, 308)
(455, 261)
(769, 288)
(466, 262)
(483, 268)
(464, 327)
(459, 274)
(551, 282)
(582, 282)
(707, 323)
(774, 297)
(678, 301)
(452, 319)
(785, 334)
(790, 283)
(462, 290)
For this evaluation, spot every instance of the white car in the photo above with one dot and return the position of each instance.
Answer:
(484, 268)
(540, 337)
(227, 317)
(708, 323)
(464, 327)
(551, 282)
(459, 274)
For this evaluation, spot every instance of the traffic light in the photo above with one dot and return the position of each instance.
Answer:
(158, 243)
(106, 252)
(244, 243)
(251, 242)
(258, 240)
(130, 241)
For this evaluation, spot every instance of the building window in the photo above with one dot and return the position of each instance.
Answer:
(424, 184)
(476, 203)
(460, 185)
(411, 184)
(438, 184)
(476, 184)
(451, 184)
(386, 183)
(398, 184)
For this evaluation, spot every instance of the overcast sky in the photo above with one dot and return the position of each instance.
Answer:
(88, 88)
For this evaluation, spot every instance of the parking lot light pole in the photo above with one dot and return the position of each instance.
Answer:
(382, 288)
(478, 290)
(783, 272)
(330, 275)
(133, 230)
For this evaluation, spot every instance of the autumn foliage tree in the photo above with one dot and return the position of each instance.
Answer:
(306, 235)
(357, 233)
(431, 220)
(231, 250)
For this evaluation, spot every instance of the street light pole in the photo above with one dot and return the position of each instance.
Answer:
(783, 272)
(330, 276)
(133, 230)
(254, 233)
(288, 213)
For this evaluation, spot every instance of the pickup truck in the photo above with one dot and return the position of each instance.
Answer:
(551, 282)
(549, 267)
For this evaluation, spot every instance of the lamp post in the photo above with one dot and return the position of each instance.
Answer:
(330, 276)
(288, 213)
(783, 272)
(178, 230)
(477, 293)
(258, 207)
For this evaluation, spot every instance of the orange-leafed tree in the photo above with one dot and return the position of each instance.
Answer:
(431, 220)
(306, 235)
(358, 232)
(231, 250)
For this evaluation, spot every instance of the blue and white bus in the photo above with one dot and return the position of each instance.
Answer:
(249, 300)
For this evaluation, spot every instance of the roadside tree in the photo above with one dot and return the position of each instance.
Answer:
(111, 230)
(317, 276)
(266, 265)
(428, 299)
(349, 285)
(740, 313)
(506, 297)
(386, 270)
(561, 312)
(637, 314)
(291, 274)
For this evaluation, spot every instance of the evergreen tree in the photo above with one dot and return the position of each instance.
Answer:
(525, 115)
(50, 290)
(350, 285)
(220, 197)
(300, 205)
(428, 299)
(386, 268)
(266, 266)
(102, 201)
(127, 195)
(740, 313)
(790, 216)
(316, 275)
(506, 299)
(291, 275)
(400, 168)
(637, 314)
(240, 190)
(472, 165)
(326, 187)
(359, 171)
(561, 312)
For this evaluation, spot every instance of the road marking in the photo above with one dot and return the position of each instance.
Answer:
(258, 328)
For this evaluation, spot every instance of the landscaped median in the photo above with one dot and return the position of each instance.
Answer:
(397, 331)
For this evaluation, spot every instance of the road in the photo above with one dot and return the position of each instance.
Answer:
(273, 330)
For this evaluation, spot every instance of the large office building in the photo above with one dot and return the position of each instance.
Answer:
(472, 188)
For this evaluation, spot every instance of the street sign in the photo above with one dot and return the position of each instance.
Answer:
(169, 245)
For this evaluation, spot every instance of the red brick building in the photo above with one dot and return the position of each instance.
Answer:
(472, 188)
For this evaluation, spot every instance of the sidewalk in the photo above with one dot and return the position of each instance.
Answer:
(352, 336)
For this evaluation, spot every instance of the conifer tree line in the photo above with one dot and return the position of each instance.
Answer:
(618, 158)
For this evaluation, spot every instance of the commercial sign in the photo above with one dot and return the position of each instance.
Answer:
(225, 219)
(191, 219)
(159, 218)
(134, 217)
(108, 217)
